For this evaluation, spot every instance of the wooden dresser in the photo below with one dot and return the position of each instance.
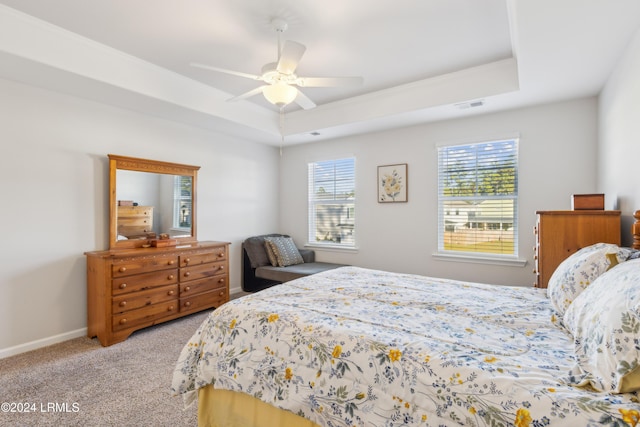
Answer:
(130, 289)
(562, 233)
(135, 220)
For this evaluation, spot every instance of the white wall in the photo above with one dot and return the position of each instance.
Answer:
(54, 200)
(557, 159)
(619, 141)
(54, 197)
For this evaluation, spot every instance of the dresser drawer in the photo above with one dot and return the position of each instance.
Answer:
(140, 282)
(134, 300)
(201, 301)
(143, 316)
(207, 284)
(141, 265)
(141, 221)
(133, 231)
(216, 255)
(203, 270)
(126, 212)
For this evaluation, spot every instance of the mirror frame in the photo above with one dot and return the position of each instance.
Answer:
(153, 166)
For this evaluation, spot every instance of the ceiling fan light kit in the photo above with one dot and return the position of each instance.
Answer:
(280, 77)
(280, 94)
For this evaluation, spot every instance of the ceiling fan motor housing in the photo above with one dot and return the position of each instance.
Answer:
(271, 75)
(279, 24)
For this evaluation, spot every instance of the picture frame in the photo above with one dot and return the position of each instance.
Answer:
(393, 183)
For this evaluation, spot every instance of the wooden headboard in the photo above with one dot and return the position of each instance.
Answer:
(635, 230)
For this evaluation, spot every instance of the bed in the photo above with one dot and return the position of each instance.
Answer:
(362, 347)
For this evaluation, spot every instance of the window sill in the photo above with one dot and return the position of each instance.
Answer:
(331, 248)
(480, 259)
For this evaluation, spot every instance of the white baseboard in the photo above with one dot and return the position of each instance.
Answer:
(44, 342)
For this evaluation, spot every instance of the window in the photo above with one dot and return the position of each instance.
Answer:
(332, 201)
(182, 203)
(478, 198)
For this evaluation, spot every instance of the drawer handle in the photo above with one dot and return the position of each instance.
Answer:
(123, 321)
(187, 261)
(123, 303)
(221, 281)
(221, 255)
(171, 262)
(187, 304)
(187, 274)
(170, 308)
(123, 285)
(187, 288)
(170, 293)
(122, 269)
(221, 293)
(170, 277)
(221, 267)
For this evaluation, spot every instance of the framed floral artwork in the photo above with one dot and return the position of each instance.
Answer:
(392, 183)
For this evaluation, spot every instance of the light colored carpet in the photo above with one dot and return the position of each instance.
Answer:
(126, 384)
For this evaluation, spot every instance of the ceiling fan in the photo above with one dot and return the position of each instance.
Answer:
(281, 82)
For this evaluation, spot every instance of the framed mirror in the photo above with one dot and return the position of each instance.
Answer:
(149, 198)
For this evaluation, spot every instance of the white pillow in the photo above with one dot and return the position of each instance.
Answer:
(605, 323)
(579, 270)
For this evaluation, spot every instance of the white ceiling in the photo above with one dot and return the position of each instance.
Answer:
(419, 58)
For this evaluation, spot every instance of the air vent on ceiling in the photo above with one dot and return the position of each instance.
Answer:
(470, 104)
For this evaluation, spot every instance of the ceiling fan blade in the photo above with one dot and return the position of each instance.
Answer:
(304, 101)
(290, 56)
(224, 70)
(329, 81)
(247, 94)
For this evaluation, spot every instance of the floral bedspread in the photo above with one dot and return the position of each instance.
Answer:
(359, 347)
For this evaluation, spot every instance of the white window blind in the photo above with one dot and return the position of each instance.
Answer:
(332, 200)
(478, 198)
(182, 209)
